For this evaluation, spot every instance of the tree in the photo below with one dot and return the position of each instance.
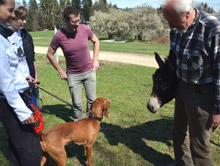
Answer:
(86, 9)
(147, 23)
(77, 4)
(143, 21)
(50, 12)
(98, 23)
(100, 5)
(59, 18)
(112, 6)
(29, 24)
(33, 6)
(24, 4)
(116, 23)
(33, 16)
(204, 7)
(121, 24)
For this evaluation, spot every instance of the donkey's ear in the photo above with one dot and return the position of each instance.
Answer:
(159, 60)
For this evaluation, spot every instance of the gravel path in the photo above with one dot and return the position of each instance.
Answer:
(129, 58)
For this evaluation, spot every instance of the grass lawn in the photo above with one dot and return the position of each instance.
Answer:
(43, 38)
(131, 136)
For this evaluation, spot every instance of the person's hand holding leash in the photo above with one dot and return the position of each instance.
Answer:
(29, 120)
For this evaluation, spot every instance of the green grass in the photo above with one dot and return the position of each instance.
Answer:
(135, 47)
(43, 38)
(131, 136)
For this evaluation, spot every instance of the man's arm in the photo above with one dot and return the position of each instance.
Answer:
(50, 56)
(95, 42)
(36, 74)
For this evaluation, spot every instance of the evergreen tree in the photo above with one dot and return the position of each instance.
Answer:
(33, 4)
(77, 4)
(50, 11)
(29, 23)
(86, 9)
(24, 4)
(100, 5)
(205, 7)
(33, 9)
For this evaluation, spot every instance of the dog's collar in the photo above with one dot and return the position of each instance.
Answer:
(94, 117)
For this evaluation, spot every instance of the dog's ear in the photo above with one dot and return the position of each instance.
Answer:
(105, 108)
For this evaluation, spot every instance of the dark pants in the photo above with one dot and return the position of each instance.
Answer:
(191, 137)
(24, 145)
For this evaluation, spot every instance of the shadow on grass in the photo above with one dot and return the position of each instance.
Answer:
(141, 139)
(61, 111)
(157, 131)
(72, 150)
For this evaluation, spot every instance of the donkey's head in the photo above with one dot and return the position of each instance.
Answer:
(164, 82)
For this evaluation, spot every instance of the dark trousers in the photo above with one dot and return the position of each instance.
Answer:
(24, 144)
(191, 137)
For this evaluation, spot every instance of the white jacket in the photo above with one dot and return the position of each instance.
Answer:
(12, 80)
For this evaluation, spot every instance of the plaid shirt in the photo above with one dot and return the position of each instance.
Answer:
(198, 53)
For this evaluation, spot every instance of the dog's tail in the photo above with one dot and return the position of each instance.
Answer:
(42, 143)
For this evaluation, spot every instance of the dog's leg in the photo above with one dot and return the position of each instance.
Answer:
(58, 153)
(88, 154)
(60, 158)
(44, 158)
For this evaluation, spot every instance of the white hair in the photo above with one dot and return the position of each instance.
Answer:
(180, 6)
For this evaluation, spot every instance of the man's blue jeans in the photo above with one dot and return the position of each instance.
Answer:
(75, 82)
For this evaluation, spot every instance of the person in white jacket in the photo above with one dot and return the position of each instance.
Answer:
(15, 116)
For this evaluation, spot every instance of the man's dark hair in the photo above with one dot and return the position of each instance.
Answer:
(70, 10)
(21, 12)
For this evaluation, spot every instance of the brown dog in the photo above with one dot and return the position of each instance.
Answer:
(82, 132)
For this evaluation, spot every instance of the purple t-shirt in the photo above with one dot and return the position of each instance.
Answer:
(75, 48)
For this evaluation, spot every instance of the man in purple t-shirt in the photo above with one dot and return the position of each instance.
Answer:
(81, 69)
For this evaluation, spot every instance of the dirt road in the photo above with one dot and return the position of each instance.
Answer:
(129, 58)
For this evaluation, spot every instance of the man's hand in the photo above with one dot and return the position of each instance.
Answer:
(96, 65)
(63, 75)
(29, 120)
(214, 121)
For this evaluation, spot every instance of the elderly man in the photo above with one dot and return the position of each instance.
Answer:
(73, 39)
(195, 40)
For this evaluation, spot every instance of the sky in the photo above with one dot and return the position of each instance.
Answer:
(154, 3)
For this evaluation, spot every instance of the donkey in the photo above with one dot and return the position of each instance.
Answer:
(164, 82)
